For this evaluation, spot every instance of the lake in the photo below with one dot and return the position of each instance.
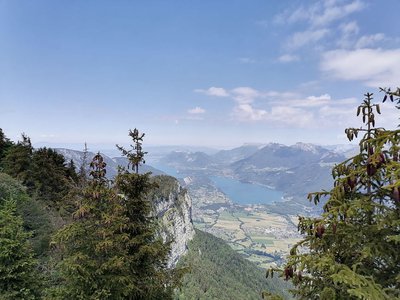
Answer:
(246, 193)
(166, 169)
(239, 192)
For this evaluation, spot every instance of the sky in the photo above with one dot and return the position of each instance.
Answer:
(201, 72)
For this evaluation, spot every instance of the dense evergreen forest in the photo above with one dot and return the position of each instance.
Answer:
(77, 235)
(218, 272)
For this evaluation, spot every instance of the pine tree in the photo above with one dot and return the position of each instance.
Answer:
(112, 249)
(50, 176)
(18, 276)
(17, 160)
(5, 144)
(83, 167)
(136, 154)
(352, 250)
(95, 262)
(149, 254)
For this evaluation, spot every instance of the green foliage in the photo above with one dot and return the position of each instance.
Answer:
(43, 171)
(50, 176)
(5, 144)
(352, 250)
(18, 276)
(218, 272)
(111, 250)
(35, 217)
(94, 265)
(149, 254)
(136, 154)
(17, 160)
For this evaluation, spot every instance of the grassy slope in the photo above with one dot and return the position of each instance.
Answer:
(218, 272)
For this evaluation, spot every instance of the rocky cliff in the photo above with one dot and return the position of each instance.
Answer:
(174, 210)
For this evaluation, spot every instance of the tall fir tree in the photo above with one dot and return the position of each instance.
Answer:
(94, 264)
(352, 250)
(18, 273)
(50, 176)
(18, 159)
(5, 144)
(149, 253)
(136, 154)
(112, 249)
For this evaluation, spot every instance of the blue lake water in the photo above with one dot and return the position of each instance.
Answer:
(239, 192)
(246, 193)
(166, 169)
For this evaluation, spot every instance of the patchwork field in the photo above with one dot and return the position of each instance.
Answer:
(262, 237)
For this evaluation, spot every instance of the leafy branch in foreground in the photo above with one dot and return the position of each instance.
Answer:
(352, 250)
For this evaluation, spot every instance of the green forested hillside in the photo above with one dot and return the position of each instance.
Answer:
(218, 272)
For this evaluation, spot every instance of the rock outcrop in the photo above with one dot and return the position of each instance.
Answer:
(173, 207)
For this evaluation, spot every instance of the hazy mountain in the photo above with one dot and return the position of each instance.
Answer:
(185, 160)
(296, 169)
(347, 150)
(235, 154)
(281, 156)
(112, 163)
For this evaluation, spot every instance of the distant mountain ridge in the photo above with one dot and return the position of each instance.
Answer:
(295, 170)
(112, 163)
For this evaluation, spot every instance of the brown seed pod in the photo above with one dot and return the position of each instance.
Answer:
(334, 228)
(320, 231)
(381, 160)
(288, 272)
(371, 169)
(352, 182)
(370, 150)
(396, 194)
(396, 156)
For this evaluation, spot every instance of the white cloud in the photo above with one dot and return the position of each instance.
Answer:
(246, 112)
(320, 13)
(245, 94)
(213, 91)
(313, 101)
(197, 110)
(290, 116)
(374, 67)
(286, 58)
(348, 32)
(332, 12)
(369, 40)
(349, 28)
(289, 17)
(300, 39)
(287, 109)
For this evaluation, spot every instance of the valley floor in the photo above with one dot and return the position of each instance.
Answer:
(262, 236)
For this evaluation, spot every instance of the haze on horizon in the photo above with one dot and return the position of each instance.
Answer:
(206, 73)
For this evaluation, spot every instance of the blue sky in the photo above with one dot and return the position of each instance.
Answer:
(209, 73)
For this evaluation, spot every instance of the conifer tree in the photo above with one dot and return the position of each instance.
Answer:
(17, 160)
(95, 263)
(50, 176)
(83, 167)
(352, 250)
(18, 275)
(5, 144)
(149, 254)
(112, 249)
(136, 154)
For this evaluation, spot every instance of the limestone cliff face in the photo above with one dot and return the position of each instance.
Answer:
(174, 210)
